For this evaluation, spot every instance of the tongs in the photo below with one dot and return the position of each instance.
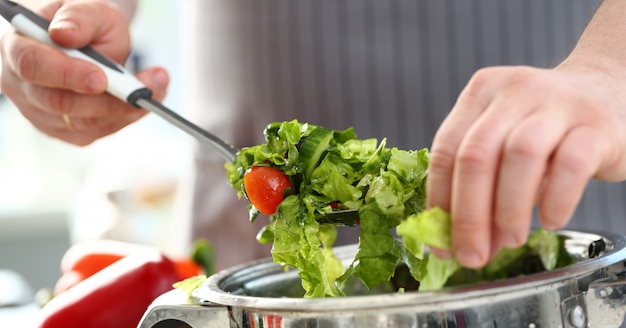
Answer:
(124, 86)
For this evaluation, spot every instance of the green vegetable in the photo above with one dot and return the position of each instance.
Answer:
(190, 284)
(204, 255)
(312, 149)
(335, 170)
(432, 227)
(544, 250)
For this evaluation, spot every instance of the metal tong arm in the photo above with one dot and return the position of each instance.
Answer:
(227, 151)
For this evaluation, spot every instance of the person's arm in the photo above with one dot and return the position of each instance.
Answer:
(521, 136)
(65, 97)
(602, 45)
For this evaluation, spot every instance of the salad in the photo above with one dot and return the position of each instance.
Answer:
(304, 171)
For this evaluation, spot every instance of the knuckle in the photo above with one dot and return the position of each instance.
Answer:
(441, 159)
(521, 148)
(473, 158)
(66, 78)
(516, 78)
(570, 160)
(465, 225)
(26, 63)
(511, 220)
(479, 80)
(114, 106)
(60, 101)
(7, 87)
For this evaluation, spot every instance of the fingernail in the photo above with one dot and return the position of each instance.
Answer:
(508, 240)
(550, 224)
(469, 258)
(67, 25)
(96, 82)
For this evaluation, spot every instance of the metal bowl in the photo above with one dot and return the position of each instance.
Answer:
(589, 293)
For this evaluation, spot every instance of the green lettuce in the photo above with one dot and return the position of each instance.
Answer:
(544, 250)
(387, 186)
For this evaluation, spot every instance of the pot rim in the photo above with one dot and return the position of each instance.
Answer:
(210, 292)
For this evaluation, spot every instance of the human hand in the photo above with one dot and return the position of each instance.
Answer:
(65, 97)
(521, 136)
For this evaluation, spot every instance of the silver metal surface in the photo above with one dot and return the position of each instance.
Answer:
(226, 150)
(589, 293)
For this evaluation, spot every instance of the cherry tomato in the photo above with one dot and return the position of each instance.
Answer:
(265, 187)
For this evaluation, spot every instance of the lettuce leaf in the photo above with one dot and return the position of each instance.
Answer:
(431, 227)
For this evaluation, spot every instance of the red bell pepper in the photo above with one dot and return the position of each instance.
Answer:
(84, 259)
(116, 296)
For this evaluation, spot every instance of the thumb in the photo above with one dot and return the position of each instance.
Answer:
(96, 23)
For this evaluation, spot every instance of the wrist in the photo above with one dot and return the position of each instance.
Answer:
(594, 63)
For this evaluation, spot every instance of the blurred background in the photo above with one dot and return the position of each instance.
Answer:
(123, 186)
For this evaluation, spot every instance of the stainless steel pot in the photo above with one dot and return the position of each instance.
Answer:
(589, 293)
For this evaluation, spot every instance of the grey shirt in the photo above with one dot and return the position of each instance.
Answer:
(391, 69)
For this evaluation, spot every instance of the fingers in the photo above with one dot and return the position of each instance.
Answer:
(157, 80)
(578, 158)
(59, 101)
(31, 61)
(525, 157)
(518, 136)
(91, 117)
(74, 24)
(469, 107)
(464, 162)
(476, 180)
(80, 131)
(98, 23)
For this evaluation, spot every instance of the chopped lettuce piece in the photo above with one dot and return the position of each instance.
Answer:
(437, 272)
(546, 245)
(190, 284)
(431, 227)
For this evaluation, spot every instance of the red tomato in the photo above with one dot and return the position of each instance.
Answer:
(265, 187)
